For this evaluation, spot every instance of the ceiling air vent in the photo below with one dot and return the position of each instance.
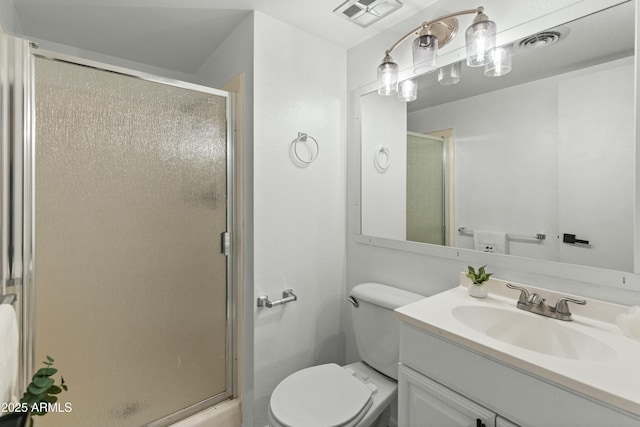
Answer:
(366, 12)
(543, 39)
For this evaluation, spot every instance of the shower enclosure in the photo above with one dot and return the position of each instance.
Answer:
(117, 209)
(429, 206)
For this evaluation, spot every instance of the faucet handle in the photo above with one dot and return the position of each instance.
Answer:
(535, 299)
(524, 294)
(561, 304)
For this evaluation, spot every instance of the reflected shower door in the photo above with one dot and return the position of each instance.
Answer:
(131, 286)
(426, 220)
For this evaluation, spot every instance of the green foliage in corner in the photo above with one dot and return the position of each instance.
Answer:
(43, 390)
(480, 277)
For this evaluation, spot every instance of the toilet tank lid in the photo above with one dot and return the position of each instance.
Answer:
(383, 295)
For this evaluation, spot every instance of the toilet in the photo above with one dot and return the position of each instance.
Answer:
(359, 394)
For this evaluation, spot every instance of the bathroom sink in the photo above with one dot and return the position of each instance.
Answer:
(533, 332)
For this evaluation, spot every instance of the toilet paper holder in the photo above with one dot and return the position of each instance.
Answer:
(287, 296)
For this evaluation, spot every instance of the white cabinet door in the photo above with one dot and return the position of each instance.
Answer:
(423, 403)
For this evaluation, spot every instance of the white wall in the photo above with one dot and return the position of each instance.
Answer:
(299, 222)
(428, 270)
(384, 192)
(9, 23)
(523, 167)
(596, 152)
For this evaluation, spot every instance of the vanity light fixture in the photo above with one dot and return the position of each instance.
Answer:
(434, 35)
(500, 61)
(407, 90)
(450, 74)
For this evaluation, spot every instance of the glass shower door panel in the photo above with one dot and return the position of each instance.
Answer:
(425, 190)
(131, 200)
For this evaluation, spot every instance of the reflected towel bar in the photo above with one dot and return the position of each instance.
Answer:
(8, 298)
(539, 236)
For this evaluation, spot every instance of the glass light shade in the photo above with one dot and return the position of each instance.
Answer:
(425, 50)
(407, 91)
(500, 61)
(480, 38)
(450, 74)
(388, 78)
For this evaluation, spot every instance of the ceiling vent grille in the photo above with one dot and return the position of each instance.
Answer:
(543, 39)
(366, 12)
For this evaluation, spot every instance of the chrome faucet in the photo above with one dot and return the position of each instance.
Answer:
(534, 303)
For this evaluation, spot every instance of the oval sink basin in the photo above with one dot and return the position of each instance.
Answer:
(533, 332)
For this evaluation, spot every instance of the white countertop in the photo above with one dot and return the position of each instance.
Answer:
(615, 381)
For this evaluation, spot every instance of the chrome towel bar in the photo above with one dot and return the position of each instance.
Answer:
(511, 236)
(287, 296)
(8, 298)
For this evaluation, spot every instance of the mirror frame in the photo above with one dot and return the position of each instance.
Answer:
(553, 269)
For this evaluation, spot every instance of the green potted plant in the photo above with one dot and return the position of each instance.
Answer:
(478, 279)
(39, 398)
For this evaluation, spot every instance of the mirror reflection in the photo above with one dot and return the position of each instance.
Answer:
(538, 163)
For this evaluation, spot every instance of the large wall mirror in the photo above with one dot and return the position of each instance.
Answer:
(538, 163)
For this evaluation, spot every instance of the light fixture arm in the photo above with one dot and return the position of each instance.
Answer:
(477, 10)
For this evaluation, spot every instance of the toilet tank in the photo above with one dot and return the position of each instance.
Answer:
(376, 328)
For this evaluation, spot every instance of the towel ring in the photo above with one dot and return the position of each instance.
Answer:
(304, 138)
(382, 159)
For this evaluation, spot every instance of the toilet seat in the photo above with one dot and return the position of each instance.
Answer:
(320, 396)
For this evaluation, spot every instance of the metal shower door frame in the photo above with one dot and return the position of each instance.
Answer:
(17, 196)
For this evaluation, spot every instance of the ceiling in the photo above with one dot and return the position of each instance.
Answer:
(180, 34)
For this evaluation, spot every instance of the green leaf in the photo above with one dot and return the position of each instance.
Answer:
(50, 359)
(50, 399)
(54, 389)
(28, 398)
(33, 389)
(45, 372)
(43, 382)
(479, 277)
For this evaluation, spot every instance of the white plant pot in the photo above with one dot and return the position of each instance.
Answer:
(478, 291)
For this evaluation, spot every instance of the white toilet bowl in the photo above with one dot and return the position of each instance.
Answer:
(351, 396)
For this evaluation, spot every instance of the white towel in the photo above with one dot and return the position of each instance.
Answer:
(629, 322)
(490, 241)
(8, 353)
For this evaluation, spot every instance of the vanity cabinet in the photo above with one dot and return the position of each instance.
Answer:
(452, 385)
(424, 402)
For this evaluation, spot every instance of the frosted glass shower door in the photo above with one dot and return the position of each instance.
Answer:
(425, 189)
(130, 204)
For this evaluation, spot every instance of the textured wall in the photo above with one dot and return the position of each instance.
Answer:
(299, 212)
